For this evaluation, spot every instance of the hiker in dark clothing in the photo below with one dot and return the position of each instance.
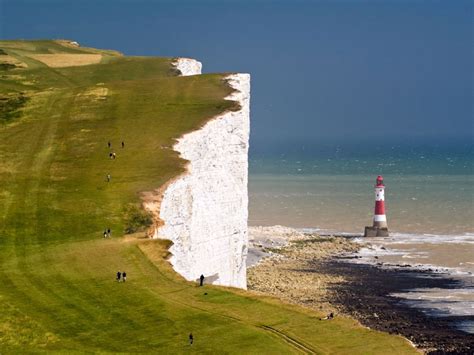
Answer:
(119, 274)
(123, 144)
(110, 155)
(124, 276)
(109, 232)
(201, 279)
(329, 316)
(191, 339)
(109, 144)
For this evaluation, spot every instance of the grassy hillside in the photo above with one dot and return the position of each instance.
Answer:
(57, 289)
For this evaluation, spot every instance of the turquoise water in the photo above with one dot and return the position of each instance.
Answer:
(428, 190)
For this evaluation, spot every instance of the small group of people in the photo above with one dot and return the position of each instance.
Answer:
(109, 144)
(112, 155)
(107, 233)
(121, 276)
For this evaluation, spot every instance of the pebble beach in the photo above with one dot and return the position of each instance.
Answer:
(322, 272)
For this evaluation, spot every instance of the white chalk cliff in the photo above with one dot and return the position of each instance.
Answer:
(205, 211)
(188, 66)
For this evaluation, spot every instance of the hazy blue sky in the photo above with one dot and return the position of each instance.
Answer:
(321, 70)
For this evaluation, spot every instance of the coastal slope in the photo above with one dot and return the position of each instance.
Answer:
(85, 135)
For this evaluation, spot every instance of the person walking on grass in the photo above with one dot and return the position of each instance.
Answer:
(108, 177)
(201, 280)
(123, 144)
(328, 317)
(109, 144)
(124, 276)
(119, 275)
(191, 339)
(109, 232)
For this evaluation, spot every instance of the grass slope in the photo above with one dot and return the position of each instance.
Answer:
(57, 289)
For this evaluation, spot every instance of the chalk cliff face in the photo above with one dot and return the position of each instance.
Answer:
(205, 211)
(188, 66)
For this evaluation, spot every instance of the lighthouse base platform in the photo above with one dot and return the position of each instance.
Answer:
(375, 232)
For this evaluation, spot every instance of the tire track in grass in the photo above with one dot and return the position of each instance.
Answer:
(291, 341)
(83, 303)
(294, 342)
(23, 284)
(41, 292)
(63, 300)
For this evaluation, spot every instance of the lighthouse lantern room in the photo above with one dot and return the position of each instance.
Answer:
(379, 227)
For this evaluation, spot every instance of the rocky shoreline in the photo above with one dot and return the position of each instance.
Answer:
(366, 296)
(313, 271)
(284, 269)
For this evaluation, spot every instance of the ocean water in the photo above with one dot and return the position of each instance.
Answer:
(427, 190)
(429, 202)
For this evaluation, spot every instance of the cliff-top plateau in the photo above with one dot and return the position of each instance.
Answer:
(111, 163)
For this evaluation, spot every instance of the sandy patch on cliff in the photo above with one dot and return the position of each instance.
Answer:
(97, 93)
(151, 202)
(288, 268)
(61, 60)
(8, 59)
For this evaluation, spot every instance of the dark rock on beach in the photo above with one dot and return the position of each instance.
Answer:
(366, 296)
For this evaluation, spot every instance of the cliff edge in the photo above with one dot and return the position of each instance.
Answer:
(205, 211)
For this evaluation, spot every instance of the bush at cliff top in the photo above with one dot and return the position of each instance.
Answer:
(137, 219)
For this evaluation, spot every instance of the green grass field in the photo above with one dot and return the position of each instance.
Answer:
(57, 287)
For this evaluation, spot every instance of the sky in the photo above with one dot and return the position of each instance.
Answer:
(322, 71)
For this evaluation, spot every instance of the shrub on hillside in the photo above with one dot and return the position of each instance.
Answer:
(137, 219)
(7, 66)
(10, 106)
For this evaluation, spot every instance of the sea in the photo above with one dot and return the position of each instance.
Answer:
(429, 199)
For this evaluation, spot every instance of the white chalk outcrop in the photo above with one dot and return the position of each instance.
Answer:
(188, 66)
(205, 211)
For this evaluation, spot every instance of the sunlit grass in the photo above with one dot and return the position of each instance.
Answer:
(58, 290)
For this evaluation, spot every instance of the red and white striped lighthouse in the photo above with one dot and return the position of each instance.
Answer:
(380, 220)
(379, 227)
